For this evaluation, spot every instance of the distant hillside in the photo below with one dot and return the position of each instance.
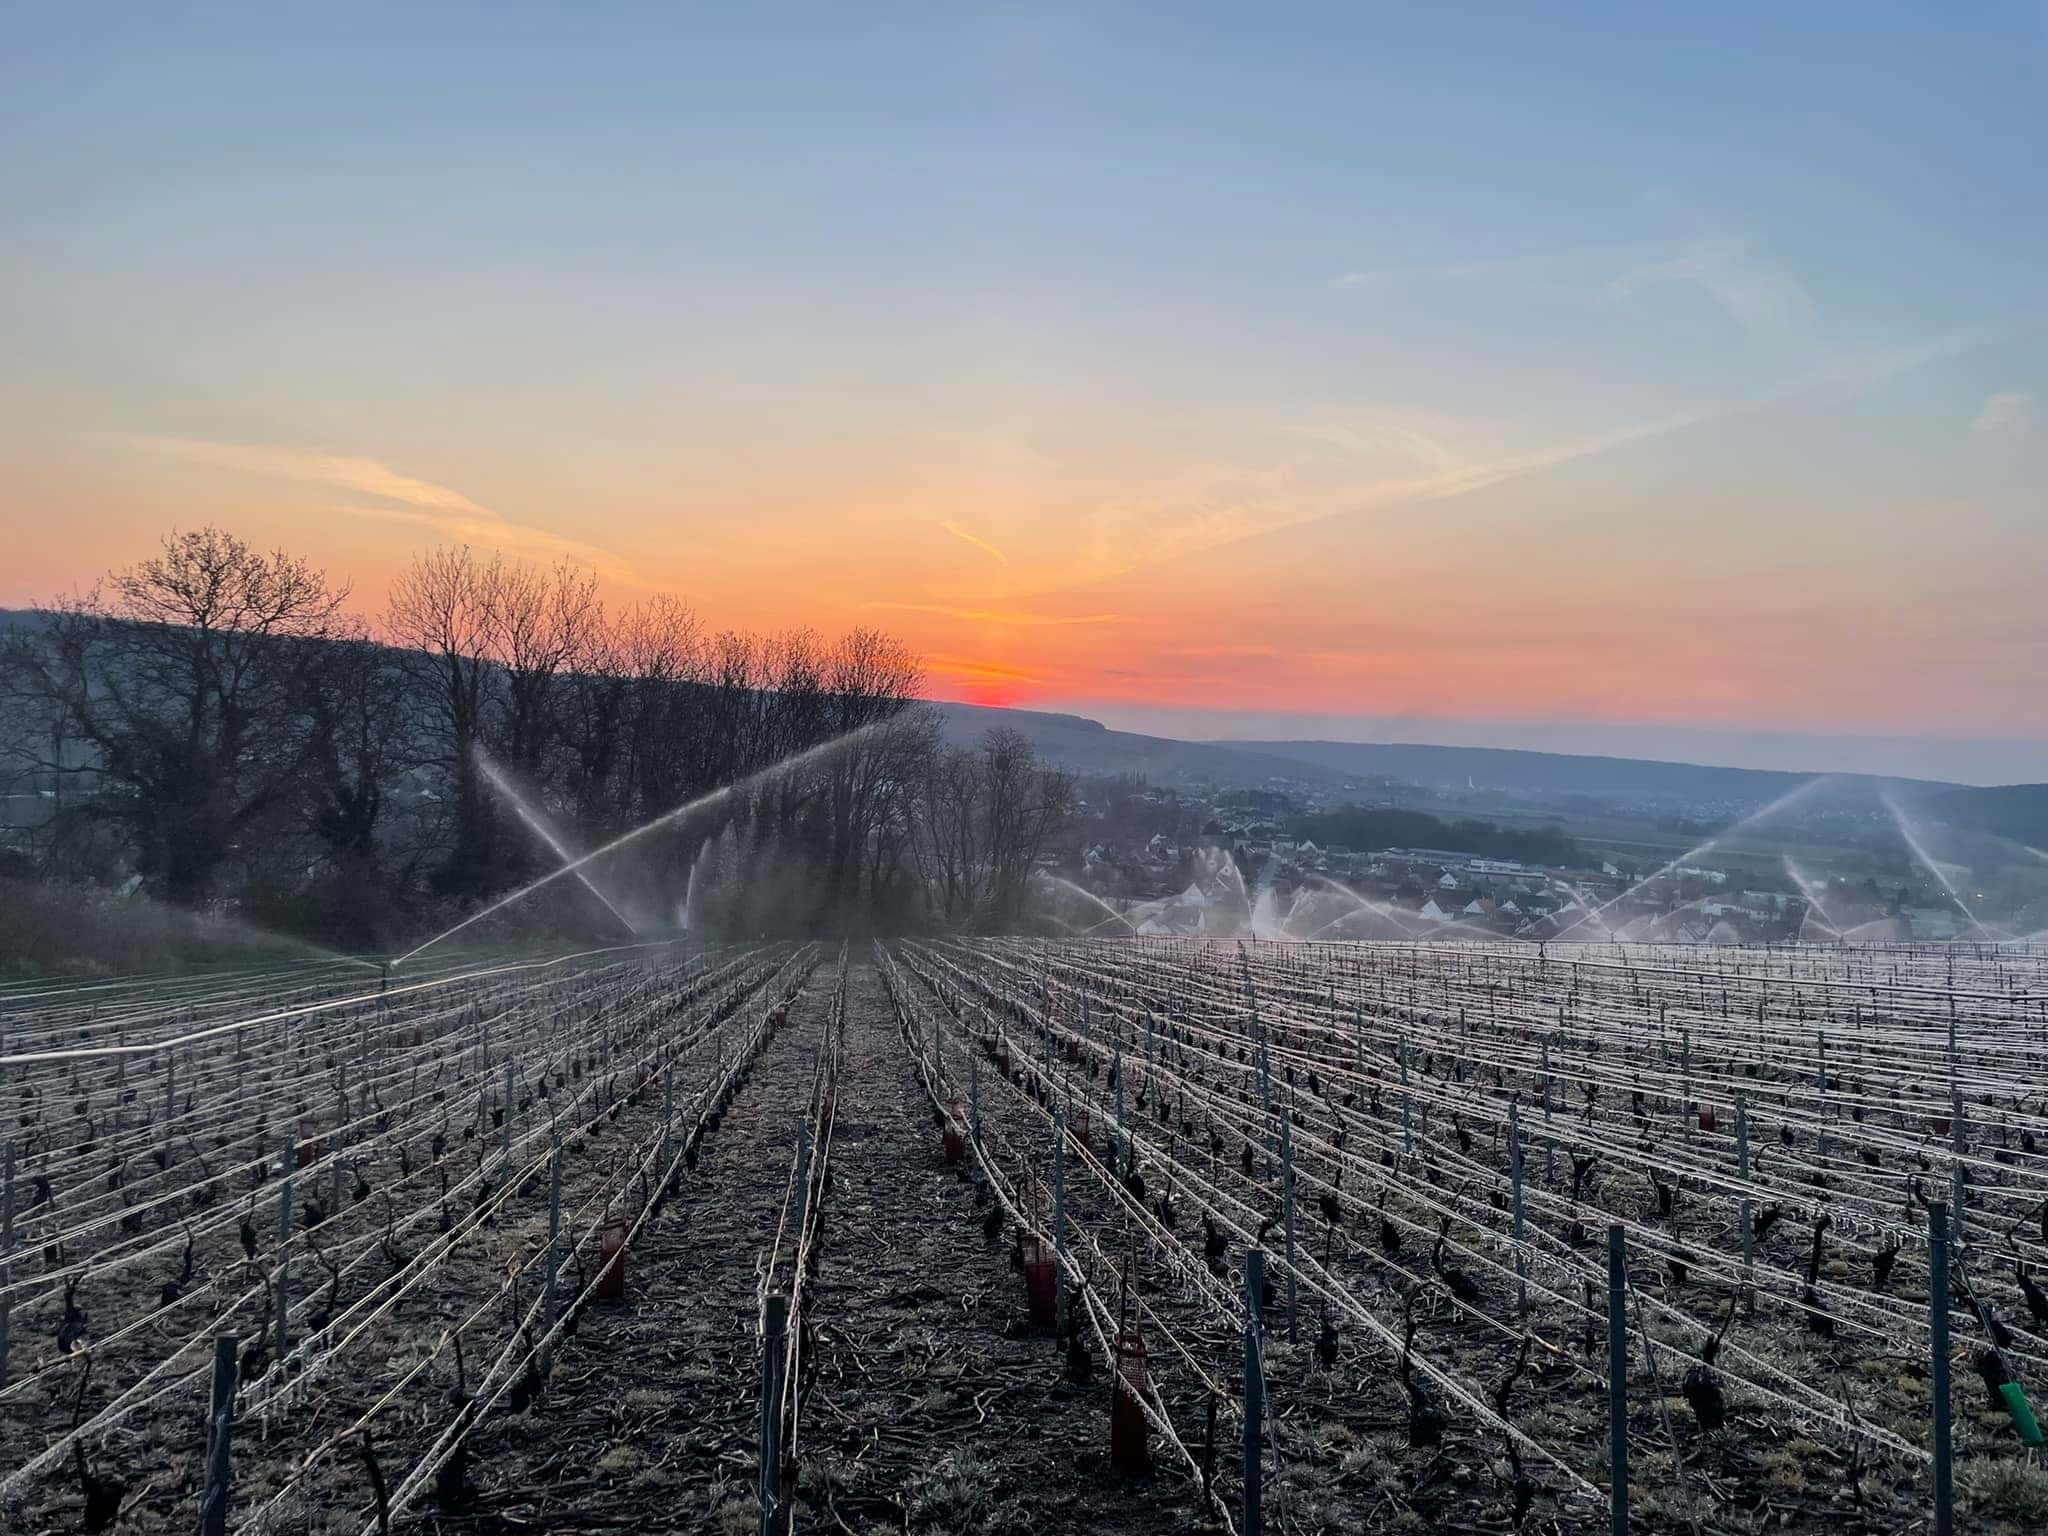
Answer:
(1082, 745)
(1087, 746)
(1543, 772)
(1372, 830)
(2018, 812)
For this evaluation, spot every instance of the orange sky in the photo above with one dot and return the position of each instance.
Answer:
(1351, 585)
(1335, 370)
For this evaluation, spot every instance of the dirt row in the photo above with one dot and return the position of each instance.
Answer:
(643, 1416)
(935, 1406)
(928, 1403)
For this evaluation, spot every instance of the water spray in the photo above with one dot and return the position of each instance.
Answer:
(540, 829)
(1977, 924)
(667, 818)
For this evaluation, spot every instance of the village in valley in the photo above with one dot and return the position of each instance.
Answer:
(1169, 862)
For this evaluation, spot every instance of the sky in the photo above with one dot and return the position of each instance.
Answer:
(1567, 376)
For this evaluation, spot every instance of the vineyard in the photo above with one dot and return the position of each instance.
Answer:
(1006, 1236)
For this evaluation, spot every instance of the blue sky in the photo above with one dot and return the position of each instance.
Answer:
(1519, 329)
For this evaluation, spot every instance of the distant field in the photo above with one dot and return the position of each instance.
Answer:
(1637, 842)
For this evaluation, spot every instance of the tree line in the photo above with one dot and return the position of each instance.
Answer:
(216, 727)
(1367, 829)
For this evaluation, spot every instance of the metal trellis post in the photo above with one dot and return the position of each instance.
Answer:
(1059, 1221)
(1617, 1375)
(220, 1423)
(1937, 1309)
(775, 1332)
(1254, 1390)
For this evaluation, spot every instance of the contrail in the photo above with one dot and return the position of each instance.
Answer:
(975, 539)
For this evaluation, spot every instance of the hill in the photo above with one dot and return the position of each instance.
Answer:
(2018, 812)
(1083, 745)
(1535, 772)
(1087, 746)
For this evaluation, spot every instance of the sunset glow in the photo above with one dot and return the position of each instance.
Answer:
(725, 729)
(1332, 370)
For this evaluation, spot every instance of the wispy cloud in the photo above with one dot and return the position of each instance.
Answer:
(968, 538)
(1736, 274)
(1755, 294)
(489, 531)
(1131, 536)
(1523, 271)
(1247, 506)
(406, 498)
(2008, 411)
(1463, 479)
(1421, 437)
(999, 616)
(979, 671)
(365, 475)
(1847, 373)
(1225, 652)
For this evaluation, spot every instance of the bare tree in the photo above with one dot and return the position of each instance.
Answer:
(869, 681)
(184, 679)
(211, 697)
(662, 649)
(539, 621)
(593, 720)
(360, 706)
(905, 744)
(441, 613)
(1026, 802)
(794, 710)
(948, 835)
(984, 818)
(726, 743)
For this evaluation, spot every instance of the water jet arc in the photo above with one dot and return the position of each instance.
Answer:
(666, 818)
(540, 829)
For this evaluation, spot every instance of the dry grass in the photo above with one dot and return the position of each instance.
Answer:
(619, 1458)
(1782, 1472)
(962, 1495)
(2015, 1490)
